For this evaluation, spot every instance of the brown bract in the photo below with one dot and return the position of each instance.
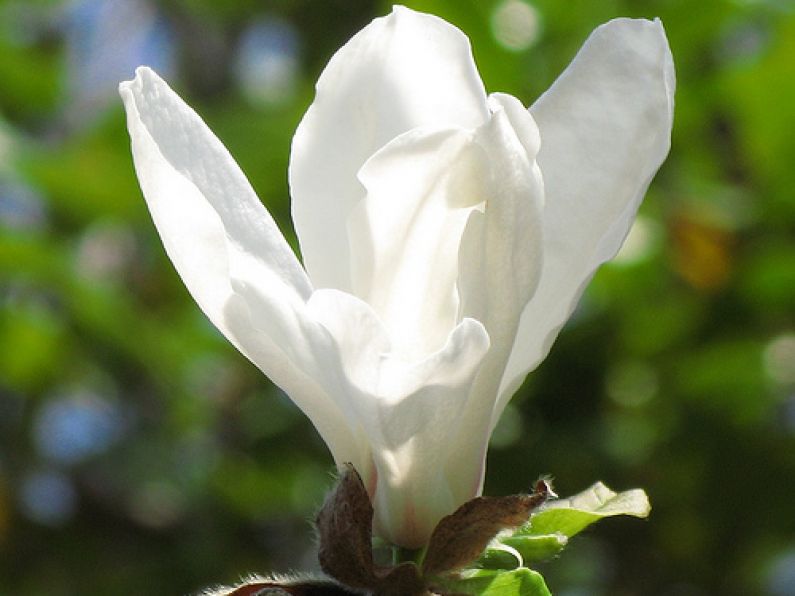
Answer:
(461, 537)
(344, 526)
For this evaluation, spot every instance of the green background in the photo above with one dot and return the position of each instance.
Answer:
(141, 454)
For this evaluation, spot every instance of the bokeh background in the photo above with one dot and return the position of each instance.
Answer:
(140, 454)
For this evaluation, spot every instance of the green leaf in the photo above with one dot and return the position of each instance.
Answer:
(511, 551)
(488, 582)
(571, 516)
(537, 548)
(548, 531)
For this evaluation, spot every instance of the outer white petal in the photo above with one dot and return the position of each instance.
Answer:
(402, 71)
(605, 129)
(219, 236)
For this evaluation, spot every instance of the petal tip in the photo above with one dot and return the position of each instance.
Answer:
(638, 26)
(643, 37)
(125, 88)
(143, 74)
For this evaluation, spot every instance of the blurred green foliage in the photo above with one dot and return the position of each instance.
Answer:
(140, 454)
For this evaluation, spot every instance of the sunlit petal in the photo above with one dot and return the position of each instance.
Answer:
(499, 266)
(402, 71)
(220, 237)
(405, 234)
(408, 409)
(605, 129)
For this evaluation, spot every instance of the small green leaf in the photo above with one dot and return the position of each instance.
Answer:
(499, 556)
(487, 582)
(511, 551)
(520, 582)
(548, 531)
(537, 548)
(571, 516)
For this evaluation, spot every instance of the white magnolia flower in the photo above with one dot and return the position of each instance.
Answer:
(446, 236)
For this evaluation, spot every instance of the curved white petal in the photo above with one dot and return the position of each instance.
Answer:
(500, 263)
(307, 369)
(605, 129)
(415, 489)
(402, 71)
(408, 410)
(218, 235)
(404, 236)
(501, 251)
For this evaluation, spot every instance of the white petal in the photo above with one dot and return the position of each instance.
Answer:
(307, 369)
(400, 72)
(407, 409)
(405, 234)
(218, 235)
(499, 263)
(501, 250)
(416, 487)
(605, 129)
